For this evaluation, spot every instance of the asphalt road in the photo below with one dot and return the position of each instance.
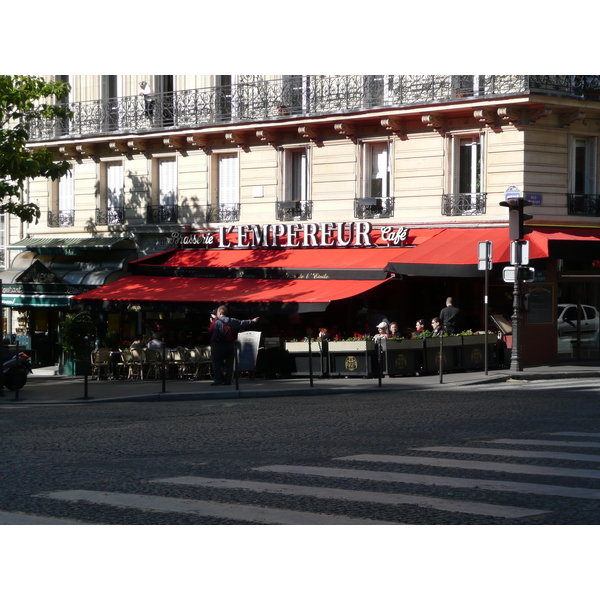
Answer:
(373, 458)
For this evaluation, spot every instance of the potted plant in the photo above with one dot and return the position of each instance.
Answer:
(78, 335)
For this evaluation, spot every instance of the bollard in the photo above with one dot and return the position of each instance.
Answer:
(379, 360)
(310, 369)
(164, 368)
(17, 362)
(441, 361)
(85, 375)
(235, 366)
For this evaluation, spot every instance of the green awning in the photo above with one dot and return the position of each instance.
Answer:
(71, 246)
(41, 301)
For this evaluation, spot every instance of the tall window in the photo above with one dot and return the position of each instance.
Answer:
(295, 175)
(584, 166)
(65, 213)
(467, 165)
(112, 211)
(227, 187)
(2, 242)
(109, 89)
(167, 182)
(376, 170)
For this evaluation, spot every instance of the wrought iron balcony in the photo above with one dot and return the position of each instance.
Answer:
(454, 205)
(167, 213)
(110, 216)
(258, 99)
(224, 213)
(296, 210)
(61, 218)
(373, 208)
(583, 205)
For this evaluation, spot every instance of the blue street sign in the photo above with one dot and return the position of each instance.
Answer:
(535, 199)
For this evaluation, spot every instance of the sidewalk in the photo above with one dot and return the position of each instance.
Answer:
(43, 387)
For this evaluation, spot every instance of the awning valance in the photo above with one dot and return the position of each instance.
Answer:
(71, 246)
(286, 295)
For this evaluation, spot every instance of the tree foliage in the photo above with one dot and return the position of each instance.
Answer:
(24, 100)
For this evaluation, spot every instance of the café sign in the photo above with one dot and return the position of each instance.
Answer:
(295, 235)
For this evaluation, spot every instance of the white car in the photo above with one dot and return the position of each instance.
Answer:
(589, 325)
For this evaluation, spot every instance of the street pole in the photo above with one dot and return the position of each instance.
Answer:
(485, 317)
(515, 356)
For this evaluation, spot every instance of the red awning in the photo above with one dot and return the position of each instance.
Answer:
(303, 294)
(359, 260)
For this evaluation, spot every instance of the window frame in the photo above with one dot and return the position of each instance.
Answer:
(590, 167)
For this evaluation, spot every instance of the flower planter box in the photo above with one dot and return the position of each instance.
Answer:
(404, 357)
(301, 359)
(353, 359)
(451, 354)
(473, 352)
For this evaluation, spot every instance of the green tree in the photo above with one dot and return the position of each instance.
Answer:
(24, 100)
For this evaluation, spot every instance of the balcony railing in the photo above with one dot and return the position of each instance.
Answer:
(464, 205)
(296, 210)
(294, 96)
(224, 213)
(110, 216)
(61, 218)
(373, 208)
(167, 213)
(583, 205)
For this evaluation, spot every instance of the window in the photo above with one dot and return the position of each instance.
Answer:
(583, 166)
(226, 187)
(466, 197)
(112, 210)
(164, 209)
(295, 204)
(375, 200)
(109, 89)
(582, 199)
(377, 170)
(64, 216)
(167, 181)
(296, 94)
(2, 242)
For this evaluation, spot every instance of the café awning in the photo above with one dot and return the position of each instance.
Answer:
(71, 246)
(282, 295)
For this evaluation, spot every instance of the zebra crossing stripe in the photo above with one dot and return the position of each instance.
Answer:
(546, 443)
(454, 482)
(237, 512)
(575, 433)
(474, 508)
(515, 453)
(474, 464)
(8, 518)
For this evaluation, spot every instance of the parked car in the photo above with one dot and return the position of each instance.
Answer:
(589, 326)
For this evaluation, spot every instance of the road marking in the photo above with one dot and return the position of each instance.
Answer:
(545, 443)
(515, 453)
(575, 433)
(8, 518)
(455, 482)
(237, 512)
(475, 464)
(474, 508)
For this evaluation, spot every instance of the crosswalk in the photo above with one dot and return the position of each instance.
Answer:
(349, 492)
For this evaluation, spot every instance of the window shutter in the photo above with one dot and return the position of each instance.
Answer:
(66, 195)
(591, 157)
(228, 179)
(167, 177)
(114, 185)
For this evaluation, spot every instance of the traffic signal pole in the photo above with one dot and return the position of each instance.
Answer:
(516, 232)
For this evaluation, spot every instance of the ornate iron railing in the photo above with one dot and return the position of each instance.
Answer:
(110, 216)
(61, 218)
(167, 213)
(583, 205)
(464, 205)
(224, 213)
(259, 99)
(300, 210)
(373, 208)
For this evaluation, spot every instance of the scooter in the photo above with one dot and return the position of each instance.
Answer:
(15, 371)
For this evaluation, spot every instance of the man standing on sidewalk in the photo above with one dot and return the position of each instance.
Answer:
(222, 344)
(450, 317)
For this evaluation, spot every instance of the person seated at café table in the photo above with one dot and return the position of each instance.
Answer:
(324, 334)
(382, 332)
(137, 342)
(394, 331)
(420, 328)
(437, 330)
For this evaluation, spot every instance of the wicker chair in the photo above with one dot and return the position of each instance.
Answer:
(101, 363)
